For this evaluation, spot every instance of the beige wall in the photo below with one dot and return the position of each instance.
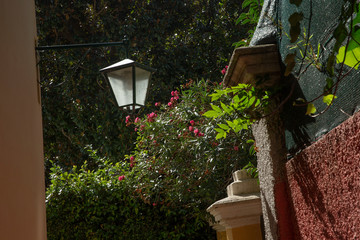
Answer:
(22, 208)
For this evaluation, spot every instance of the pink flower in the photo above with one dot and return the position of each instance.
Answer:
(151, 117)
(154, 204)
(137, 120)
(191, 128)
(122, 177)
(236, 148)
(192, 122)
(224, 70)
(170, 104)
(157, 104)
(174, 93)
(127, 119)
(200, 134)
(196, 131)
(132, 158)
(136, 129)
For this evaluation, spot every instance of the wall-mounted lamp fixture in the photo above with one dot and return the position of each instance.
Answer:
(129, 82)
(128, 79)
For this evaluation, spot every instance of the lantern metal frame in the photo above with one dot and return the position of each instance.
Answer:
(133, 65)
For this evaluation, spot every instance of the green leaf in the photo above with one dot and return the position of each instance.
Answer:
(216, 109)
(310, 109)
(352, 58)
(219, 130)
(211, 114)
(224, 126)
(328, 99)
(231, 124)
(329, 84)
(215, 96)
(226, 108)
(220, 135)
(236, 99)
(246, 3)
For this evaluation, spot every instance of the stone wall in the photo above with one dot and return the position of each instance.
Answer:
(324, 185)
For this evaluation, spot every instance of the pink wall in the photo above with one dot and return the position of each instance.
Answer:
(22, 190)
(324, 185)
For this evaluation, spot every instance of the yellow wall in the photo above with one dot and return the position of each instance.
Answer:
(22, 200)
(249, 232)
(221, 235)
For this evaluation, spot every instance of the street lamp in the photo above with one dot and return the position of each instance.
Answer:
(129, 81)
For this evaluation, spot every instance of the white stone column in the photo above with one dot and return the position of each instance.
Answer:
(242, 208)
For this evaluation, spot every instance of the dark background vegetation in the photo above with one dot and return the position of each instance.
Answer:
(86, 139)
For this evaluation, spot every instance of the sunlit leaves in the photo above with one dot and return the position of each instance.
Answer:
(240, 106)
(352, 56)
(328, 99)
(310, 109)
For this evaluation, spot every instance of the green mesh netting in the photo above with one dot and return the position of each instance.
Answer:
(320, 17)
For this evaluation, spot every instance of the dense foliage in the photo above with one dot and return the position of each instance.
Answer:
(176, 171)
(101, 204)
(176, 168)
(181, 39)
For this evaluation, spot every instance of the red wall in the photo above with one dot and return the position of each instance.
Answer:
(324, 185)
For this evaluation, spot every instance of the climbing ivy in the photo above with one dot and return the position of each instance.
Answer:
(345, 52)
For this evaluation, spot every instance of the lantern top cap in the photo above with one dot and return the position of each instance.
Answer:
(126, 63)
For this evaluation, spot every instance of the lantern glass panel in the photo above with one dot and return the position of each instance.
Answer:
(142, 83)
(121, 84)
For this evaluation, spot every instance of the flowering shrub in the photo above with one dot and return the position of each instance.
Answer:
(178, 161)
(177, 170)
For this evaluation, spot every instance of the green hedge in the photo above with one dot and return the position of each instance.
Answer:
(96, 205)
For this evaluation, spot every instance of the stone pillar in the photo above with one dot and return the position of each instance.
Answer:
(271, 158)
(248, 64)
(239, 213)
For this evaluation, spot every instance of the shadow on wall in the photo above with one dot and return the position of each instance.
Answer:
(294, 118)
(314, 199)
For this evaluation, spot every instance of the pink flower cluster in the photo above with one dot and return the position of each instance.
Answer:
(151, 117)
(132, 161)
(122, 177)
(141, 128)
(174, 98)
(224, 70)
(195, 130)
(127, 119)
